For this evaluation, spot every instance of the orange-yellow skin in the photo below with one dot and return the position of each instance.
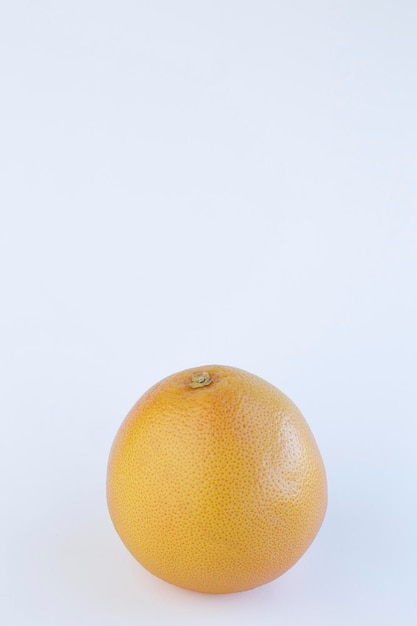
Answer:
(218, 488)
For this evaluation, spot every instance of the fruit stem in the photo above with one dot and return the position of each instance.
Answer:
(200, 379)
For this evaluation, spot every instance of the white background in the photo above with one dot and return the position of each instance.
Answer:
(184, 183)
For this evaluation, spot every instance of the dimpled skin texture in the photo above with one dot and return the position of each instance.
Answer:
(219, 488)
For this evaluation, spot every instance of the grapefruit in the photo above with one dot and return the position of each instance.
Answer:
(215, 482)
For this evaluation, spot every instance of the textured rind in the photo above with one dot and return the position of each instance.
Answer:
(216, 489)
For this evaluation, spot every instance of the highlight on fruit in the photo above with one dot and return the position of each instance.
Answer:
(215, 482)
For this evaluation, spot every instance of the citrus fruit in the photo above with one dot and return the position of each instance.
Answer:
(215, 482)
